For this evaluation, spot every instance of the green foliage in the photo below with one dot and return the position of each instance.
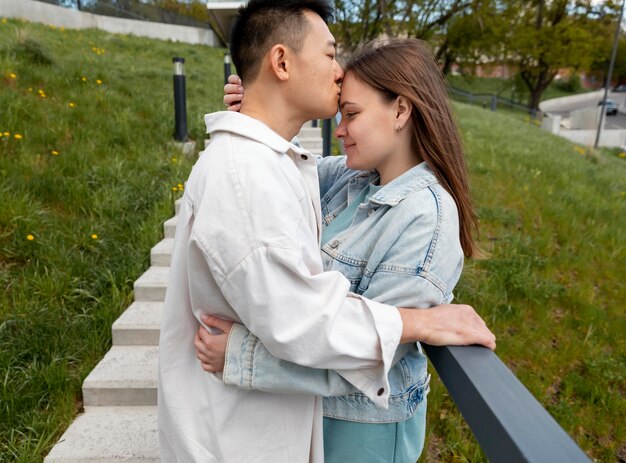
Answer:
(571, 85)
(86, 178)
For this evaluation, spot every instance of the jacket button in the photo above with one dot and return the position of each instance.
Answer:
(304, 156)
(370, 212)
(334, 244)
(381, 391)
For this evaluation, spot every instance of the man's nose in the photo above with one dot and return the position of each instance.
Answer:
(339, 74)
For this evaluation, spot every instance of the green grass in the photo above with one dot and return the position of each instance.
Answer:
(550, 284)
(112, 178)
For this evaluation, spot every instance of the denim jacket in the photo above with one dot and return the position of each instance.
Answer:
(402, 248)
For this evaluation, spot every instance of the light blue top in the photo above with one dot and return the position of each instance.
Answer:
(401, 248)
(370, 442)
(344, 220)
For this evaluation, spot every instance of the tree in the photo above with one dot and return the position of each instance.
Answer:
(358, 21)
(546, 36)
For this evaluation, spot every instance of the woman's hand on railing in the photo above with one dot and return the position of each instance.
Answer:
(233, 93)
(446, 325)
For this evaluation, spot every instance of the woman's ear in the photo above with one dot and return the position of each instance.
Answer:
(403, 109)
(278, 62)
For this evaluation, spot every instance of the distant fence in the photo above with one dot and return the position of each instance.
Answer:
(48, 13)
(490, 100)
(133, 10)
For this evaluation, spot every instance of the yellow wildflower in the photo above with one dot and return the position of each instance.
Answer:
(13, 76)
(54, 153)
(62, 29)
(30, 237)
(18, 136)
(83, 78)
(181, 187)
(94, 237)
(72, 104)
(174, 188)
(4, 20)
(7, 134)
(94, 49)
(173, 158)
(98, 81)
(30, 89)
(622, 155)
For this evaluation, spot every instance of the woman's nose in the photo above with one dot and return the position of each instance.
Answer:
(340, 131)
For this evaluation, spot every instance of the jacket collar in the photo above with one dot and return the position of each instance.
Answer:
(248, 127)
(414, 179)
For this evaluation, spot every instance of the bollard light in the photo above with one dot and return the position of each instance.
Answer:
(226, 67)
(180, 100)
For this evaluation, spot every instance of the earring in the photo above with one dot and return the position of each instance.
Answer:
(398, 128)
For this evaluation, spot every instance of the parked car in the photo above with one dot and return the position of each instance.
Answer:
(620, 88)
(610, 106)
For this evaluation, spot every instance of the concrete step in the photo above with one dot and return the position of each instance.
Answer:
(310, 132)
(311, 143)
(169, 227)
(152, 284)
(109, 434)
(126, 376)
(161, 253)
(139, 325)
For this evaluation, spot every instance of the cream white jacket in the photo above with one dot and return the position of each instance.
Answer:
(247, 249)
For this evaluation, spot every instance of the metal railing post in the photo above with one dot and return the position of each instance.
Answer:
(326, 134)
(180, 100)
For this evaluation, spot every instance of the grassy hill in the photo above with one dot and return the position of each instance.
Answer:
(87, 176)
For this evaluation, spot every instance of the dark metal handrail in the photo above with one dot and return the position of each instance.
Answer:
(508, 422)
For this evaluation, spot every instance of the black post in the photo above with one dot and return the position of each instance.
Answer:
(326, 134)
(180, 100)
(226, 67)
(610, 74)
(78, 5)
(314, 123)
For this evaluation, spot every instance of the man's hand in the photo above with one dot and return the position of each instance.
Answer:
(211, 348)
(233, 93)
(446, 325)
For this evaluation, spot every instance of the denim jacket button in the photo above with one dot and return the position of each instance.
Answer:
(381, 391)
(334, 244)
(304, 156)
(370, 212)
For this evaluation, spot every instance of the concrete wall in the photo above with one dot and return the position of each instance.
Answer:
(555, 104)
(608, 138)
(72, 19)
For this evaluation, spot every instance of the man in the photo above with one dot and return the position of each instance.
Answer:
(247, 247)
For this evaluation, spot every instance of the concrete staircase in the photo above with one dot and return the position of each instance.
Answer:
(311, 138)
(120, 394)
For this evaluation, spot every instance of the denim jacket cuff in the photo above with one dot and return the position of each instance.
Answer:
(239, 356)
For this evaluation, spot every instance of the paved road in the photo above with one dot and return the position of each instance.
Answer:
(610, 122)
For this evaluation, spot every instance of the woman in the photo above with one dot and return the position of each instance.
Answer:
(397, 222)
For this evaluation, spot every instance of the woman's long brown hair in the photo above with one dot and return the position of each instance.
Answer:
(407, 67)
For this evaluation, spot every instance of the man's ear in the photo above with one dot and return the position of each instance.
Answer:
(403, 109)
(278, 56)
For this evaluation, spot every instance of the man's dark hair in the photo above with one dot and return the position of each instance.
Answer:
(261, 24)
